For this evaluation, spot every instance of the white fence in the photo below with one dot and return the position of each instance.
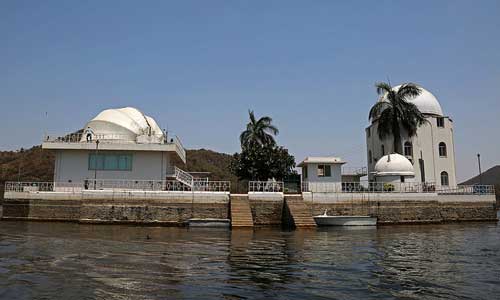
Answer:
(118, 185)
(265, 186)
(403, 187)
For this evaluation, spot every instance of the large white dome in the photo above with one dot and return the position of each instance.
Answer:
(426, 102)
(124, 124)
(394, 165)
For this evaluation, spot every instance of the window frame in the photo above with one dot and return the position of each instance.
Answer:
(442, 149)
(99, 163)
(327, 170)
(446, 176)
(408, 145)
(440, 122)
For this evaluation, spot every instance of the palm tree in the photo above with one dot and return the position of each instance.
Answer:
(259, 132)
(395, 112)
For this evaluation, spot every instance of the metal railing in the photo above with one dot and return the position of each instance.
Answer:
(11, 186)
(104, 138)
(81, 138)
(403, 187)
(362, 171)
(265, 186)
(118, 185)
(211, 186)
(183, 176)
(467, 190)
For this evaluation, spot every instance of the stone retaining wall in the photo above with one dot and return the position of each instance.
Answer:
(98, 208)
(267, 209)
(406, 208)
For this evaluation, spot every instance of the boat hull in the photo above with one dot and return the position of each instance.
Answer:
(345, 220)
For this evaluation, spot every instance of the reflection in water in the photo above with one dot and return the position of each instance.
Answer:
(64, 261)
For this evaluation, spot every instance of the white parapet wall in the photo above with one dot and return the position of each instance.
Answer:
(387, 197)
(177, 197)
(266, 196)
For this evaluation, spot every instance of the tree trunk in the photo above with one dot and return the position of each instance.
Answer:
(396, 132)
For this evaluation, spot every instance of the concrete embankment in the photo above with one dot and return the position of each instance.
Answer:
(137, 208)
(267, 209)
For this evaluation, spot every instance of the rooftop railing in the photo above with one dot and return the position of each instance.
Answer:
(80, 138)
(118, 185)
(112, 139)
(105, 138)
(362, 171)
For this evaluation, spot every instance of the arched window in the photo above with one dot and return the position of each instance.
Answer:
(442, 150)
(383, 150)
(408, 149)
(444, 179)
(370, 158)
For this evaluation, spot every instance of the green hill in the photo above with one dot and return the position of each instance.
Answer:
(35, 164)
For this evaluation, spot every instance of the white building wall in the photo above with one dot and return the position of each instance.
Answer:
(146, 165)
(312, 173)
(425, 146)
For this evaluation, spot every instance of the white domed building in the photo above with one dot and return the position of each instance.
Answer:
(117, 144)
(393, 169)
(430, 152)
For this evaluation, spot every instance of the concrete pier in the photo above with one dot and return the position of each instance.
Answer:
(267, 209)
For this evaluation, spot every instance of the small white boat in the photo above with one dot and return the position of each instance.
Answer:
(326, 220)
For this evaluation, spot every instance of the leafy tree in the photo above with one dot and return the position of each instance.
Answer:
(260, 157)
(258, 132)
(263, 163)
(396, 113)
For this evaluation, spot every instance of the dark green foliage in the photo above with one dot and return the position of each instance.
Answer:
(260, 157)
(33, 164)
(263, 163)
(397, 113)
(218, 164)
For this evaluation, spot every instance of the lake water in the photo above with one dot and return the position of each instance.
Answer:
(71, 261)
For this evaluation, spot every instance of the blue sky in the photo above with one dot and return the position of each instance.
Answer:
(198, 66)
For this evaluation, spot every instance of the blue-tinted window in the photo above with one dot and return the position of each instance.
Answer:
(110, 162)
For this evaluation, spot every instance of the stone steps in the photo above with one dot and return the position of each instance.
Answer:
(241, 214)
(300, 213)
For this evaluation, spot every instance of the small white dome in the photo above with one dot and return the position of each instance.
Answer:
(125, 124)
(394, 165)
(426, 102)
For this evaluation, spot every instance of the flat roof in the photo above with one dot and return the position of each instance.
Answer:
(321, 160)
(168, 147)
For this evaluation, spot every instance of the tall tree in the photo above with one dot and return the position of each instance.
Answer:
(258, 132)
(260, 157)
(395, 112)
(263, 163)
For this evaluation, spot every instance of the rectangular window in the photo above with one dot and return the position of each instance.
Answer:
(110, 162)
(440, 122)
(324, 171)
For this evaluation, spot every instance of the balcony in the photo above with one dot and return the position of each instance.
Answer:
(78, 141)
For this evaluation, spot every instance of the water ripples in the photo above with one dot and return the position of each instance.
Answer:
(64, 261)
